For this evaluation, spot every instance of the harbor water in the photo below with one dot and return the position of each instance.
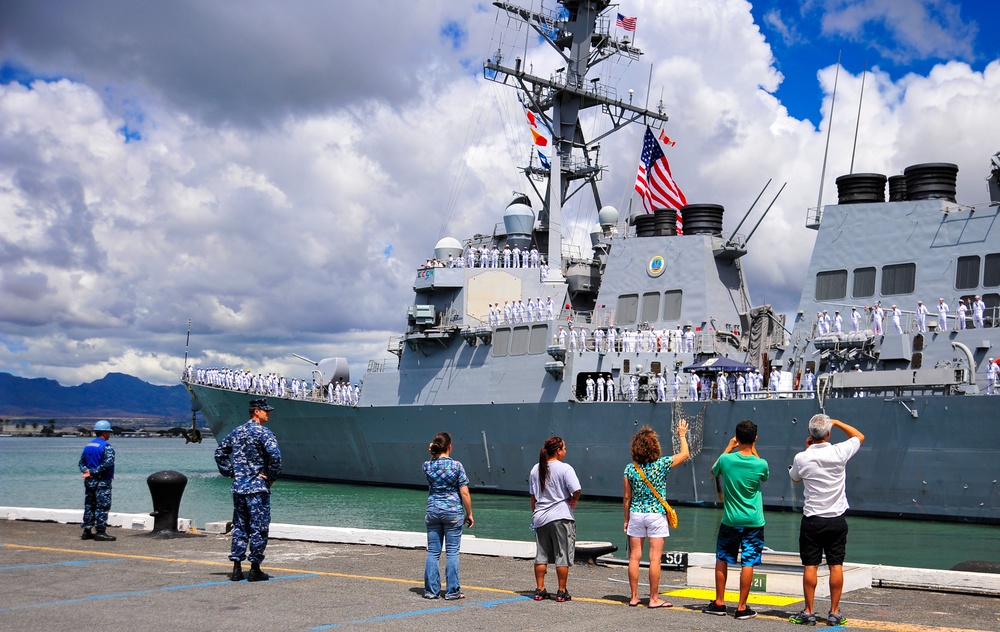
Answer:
(42, 472)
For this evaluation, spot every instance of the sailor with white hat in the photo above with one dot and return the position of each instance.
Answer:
(942, 310)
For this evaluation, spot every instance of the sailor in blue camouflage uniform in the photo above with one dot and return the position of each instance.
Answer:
(250, 456)
(97, 464)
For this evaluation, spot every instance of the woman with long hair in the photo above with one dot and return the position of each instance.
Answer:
(555, 490)
(447, 496)
(645, 514)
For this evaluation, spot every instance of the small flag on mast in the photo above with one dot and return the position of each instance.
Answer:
(626, 22)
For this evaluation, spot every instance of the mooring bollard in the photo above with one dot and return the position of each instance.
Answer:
(166, 488)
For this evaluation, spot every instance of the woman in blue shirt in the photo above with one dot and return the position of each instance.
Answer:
(447, 496)
(645, 516)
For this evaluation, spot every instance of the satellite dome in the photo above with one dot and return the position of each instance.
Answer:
(518, 220)
(607, 216)
(447, 246)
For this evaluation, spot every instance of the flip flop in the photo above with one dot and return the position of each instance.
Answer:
(633, 604)
(662, 604)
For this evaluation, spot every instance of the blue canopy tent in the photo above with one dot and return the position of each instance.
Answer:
(719, 364)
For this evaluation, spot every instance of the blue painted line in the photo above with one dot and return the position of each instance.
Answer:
(76, 563)
(137, 593)
(490, 604)
(417, 613)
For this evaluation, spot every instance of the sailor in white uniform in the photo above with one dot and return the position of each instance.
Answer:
(677, 384)
(820, 324)
(722, 386)
(572, 339)
(809, 383)
(775, 382)
(600, 388)
(549, 308)
(838, 322)
(855, 319)
(978, 309)
(534, 257)
(878, 315)
(942, 310)
(741, 386)
(895, 320)
(693, 384)
(599, 340)
(921, 317)
(991, 374)
(612, 339)
(507, 313)
(962, 311)
(609, 386)
(495, 258)
(661, 388)
(562, 337)
(506, 256)
(591, 395)
(689, 340)
(524, 258)
(633, 388)
(515, 256)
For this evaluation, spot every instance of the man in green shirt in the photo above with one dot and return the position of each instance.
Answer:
(742, 526)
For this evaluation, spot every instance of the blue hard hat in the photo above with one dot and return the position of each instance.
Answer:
(102, 426)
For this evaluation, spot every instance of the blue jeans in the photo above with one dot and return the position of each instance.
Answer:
(446, 527)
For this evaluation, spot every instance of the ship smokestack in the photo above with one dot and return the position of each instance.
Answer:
(703, 219)
(861, 188)
(931, 181)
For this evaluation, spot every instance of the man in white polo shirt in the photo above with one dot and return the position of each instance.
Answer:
(821, 468)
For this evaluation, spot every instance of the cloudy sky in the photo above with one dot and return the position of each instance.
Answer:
(275, 172)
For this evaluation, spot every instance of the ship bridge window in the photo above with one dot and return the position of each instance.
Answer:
(967, 273)
(501, 341)
(650, 307)
(831, 285)
(864, 282)
(991, 271)
(672, 304)
(898, 278)
(519, 341)
(628, 309)
(539, 340)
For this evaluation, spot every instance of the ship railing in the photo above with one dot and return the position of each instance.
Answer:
(814, 217)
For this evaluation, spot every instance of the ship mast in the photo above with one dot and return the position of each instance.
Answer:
(580, 34)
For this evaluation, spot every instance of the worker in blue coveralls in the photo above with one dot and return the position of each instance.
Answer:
(250, 456)
(97, 464)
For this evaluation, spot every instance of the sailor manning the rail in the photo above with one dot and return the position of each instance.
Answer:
(855, 319)
(942, 310)
(962, 312)
(661, 387)
(591, 395)
(921, 317)
(978, 309)
(838, 322)
(250, 456)
(600, 388)
(895, 319)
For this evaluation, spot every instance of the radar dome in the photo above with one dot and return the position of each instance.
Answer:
(447, 246)
(596, 232)
(607, 216)
(518, 220)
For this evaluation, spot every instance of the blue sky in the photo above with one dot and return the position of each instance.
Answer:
(276, 179)
(897, 36)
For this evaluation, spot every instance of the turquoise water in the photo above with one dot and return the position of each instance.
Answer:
(39, 472)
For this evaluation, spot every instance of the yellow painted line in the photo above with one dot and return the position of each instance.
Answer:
(693, 593)
(754, 598)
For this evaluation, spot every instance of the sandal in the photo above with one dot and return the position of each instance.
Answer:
(541, 594)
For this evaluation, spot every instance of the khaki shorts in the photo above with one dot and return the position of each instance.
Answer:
(556, 543)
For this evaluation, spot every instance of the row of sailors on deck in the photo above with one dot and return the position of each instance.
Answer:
(627, 341)
(515, 312)
(826, 324)
(276, 385)
(736, 385)
(485, 257)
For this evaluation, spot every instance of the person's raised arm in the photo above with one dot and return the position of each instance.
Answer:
(684, 454)
(849, 430)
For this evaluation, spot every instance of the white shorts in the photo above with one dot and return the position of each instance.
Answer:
(647, 525)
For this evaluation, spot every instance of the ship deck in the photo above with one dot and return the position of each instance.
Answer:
(55, 581)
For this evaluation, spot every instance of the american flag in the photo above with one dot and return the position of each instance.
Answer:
(654, 182)
(625, 22)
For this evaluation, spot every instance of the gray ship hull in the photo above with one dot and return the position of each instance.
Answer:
(934, 466)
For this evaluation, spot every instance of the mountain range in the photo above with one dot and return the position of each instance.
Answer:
(115, 395)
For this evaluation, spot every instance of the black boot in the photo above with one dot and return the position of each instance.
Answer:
(87, 535)
(101, 536)
(237, 574)
(257, 575)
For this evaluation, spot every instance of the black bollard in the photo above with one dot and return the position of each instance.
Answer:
(166, 488)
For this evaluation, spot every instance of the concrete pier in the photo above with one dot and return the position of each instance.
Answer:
(54, 581)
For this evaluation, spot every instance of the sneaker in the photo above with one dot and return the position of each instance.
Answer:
(746, 613)
(541, 594)
(836, 619)
(803, 618)
(563, 595)
(714, 608)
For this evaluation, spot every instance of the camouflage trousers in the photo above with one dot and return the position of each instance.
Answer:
(251, 521)
(96, 505)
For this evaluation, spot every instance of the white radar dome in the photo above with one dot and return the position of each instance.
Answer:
(607, 216)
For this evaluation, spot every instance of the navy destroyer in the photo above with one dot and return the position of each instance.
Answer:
(595, 345)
